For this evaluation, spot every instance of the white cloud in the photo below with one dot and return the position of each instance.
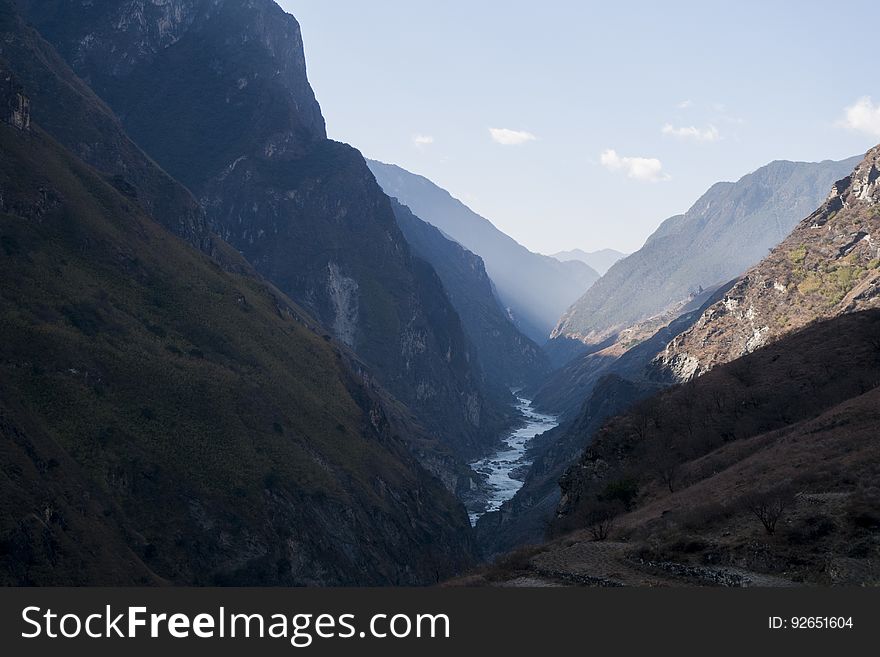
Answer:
(862, 116)
(422, 140)
(685, 104)
(508, 137)
(648, 169)
(692, 132)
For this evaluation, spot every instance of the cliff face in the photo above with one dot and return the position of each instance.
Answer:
(216, 92)
(729, 229)
(829, 265)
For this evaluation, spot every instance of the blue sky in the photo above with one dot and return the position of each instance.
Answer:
(585, 124)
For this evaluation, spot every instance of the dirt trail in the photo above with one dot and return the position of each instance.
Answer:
(609, 563)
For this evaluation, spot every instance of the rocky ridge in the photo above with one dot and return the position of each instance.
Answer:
(828, 266)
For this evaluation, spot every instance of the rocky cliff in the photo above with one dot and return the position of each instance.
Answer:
(829, 265)
(216, 92)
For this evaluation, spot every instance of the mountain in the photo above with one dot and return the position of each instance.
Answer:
(164, 420)
(216, 93)
(600, 260)
(829, 265)
(506, 356)
(761, 472)
(536, 289)
(729, 229)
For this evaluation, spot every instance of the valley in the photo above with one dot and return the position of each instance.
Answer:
(238, 352)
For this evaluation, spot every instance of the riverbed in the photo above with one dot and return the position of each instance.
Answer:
(503, 470)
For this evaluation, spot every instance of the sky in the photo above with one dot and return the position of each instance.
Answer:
(586, 124)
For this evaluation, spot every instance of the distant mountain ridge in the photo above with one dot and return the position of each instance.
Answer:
(600, 260)
(536, 288)
(730, 228)
(506, 356)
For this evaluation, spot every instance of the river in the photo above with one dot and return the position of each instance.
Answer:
(505, 468)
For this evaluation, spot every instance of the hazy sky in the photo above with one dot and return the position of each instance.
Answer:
(585, 124)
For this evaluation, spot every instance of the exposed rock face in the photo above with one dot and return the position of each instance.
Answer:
(343, 296)
(829, 265)
(535, 289)
(17, 105)
(216, 92)
(729, 229)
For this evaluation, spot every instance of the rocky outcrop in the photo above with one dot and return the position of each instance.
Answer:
(829, 265)
(729, 229)
(17, 104)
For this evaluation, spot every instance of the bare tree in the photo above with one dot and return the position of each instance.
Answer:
(601, 527)
(768, 506)
(600, 520)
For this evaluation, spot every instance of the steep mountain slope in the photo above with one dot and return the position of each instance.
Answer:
(829, 265)
(216, 92)
(730, 228)
(164, 421)
(535, 288)
(761, 472)
(770, 424)
(506, 355)
(600, 260)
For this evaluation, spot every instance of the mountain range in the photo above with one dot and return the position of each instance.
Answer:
(827, 266)
(235, 352)
(729, 229)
